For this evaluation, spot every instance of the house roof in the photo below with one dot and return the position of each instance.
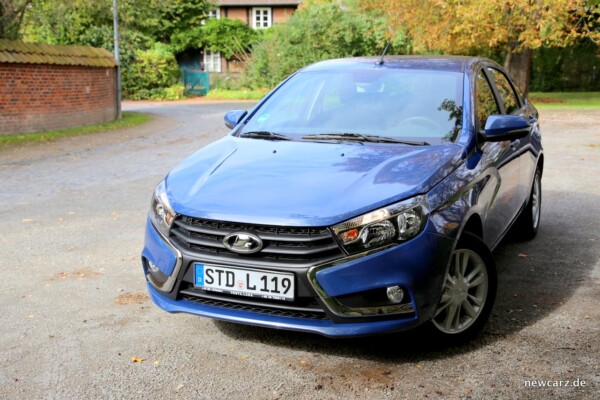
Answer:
(231, 3)
(18, 52)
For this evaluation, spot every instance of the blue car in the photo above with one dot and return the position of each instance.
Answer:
(360, 196)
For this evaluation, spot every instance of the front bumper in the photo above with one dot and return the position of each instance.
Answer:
(418, 266)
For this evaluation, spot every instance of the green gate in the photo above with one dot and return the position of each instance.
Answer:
(195, 82)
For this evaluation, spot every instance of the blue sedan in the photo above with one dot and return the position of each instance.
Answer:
(360, 196)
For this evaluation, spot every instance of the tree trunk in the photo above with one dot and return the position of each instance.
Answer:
(518, 66)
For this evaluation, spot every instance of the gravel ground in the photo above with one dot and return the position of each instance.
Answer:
(77, 323)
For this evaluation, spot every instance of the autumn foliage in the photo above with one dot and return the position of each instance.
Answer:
(474, 26)
(470, 25)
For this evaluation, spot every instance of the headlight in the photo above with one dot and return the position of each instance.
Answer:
(392, 224)
(161, 213)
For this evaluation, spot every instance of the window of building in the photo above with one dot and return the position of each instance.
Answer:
(261, 17)
(212, 61)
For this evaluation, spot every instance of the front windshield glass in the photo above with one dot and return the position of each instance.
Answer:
(406, 104)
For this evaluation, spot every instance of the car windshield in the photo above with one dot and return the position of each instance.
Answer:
(416, 105)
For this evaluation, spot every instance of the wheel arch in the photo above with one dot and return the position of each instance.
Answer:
(474, 225)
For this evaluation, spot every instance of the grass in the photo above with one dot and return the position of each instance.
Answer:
(240, 94)
(566, 100)
(130, 119)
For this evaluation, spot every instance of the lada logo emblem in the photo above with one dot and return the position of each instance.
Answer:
(243, 242)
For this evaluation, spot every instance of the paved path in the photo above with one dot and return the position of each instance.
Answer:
(74, 310)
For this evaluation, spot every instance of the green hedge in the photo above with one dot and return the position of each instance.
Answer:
(566, 69)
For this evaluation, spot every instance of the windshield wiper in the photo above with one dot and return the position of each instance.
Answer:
(363, 138)
(338, 136)
(265, 135)
(388, 139)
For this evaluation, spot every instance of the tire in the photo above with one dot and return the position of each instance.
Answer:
(528, 223)
(468, 293)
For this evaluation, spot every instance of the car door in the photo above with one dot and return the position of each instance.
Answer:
(502, 160)
(513, 104)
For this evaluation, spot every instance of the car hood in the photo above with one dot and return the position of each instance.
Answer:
(303, 183)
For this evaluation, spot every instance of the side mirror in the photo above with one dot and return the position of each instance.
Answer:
(233, 117)
(499, 128)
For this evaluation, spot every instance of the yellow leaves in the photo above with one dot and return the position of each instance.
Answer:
(464, 26)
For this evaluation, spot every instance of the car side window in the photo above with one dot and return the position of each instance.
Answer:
(484, 98)
(509, 98)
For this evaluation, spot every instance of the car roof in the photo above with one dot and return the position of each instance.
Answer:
(438, 63)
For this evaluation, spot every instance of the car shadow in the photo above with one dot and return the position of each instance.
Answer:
(534, 278)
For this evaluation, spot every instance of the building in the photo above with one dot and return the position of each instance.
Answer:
(259, 14)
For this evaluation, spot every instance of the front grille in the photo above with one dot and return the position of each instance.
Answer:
(279, 311)
(282, 245)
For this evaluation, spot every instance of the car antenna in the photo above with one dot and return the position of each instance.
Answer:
(380, 61)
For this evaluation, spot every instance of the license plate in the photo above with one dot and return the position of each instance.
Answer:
(245, 282)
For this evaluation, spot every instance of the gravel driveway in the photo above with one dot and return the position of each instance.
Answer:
(76, 321)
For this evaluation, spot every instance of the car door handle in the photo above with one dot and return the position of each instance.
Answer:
(514, 145)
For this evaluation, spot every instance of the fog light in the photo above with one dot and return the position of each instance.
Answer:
(154, 274)
(153, 268)
(395, 294)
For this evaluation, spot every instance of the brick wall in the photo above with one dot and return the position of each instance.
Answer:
(239, 13)
(48, 97)
(282, 14)
(278, 14)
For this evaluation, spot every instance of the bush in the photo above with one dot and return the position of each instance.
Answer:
(227, 81)
(175, 92)
(150, 73)
(314, 33)
(231, 37)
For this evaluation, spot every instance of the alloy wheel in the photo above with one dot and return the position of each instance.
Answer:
(464, 294)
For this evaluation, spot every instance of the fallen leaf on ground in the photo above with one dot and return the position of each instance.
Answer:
(131, 298)
(523, 255)
(137, 360)
(80, 273)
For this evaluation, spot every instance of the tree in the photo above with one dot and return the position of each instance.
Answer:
(67, 22)
(77, 21)
(514, 27)
(151, 32)
(12, 13)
